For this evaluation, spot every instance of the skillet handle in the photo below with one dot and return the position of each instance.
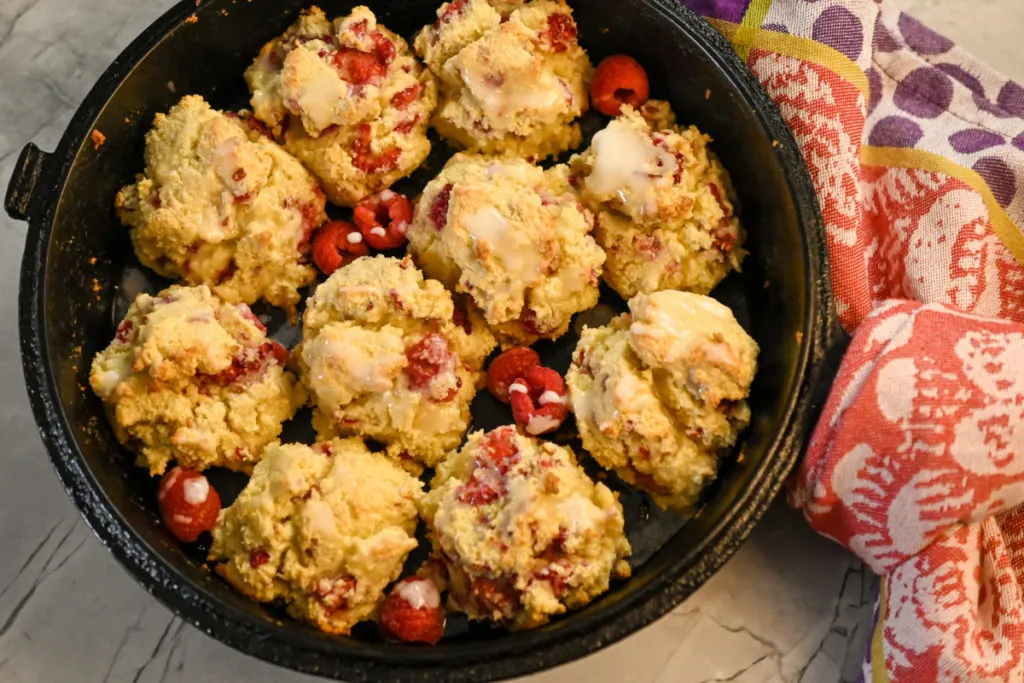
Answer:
(22, 190)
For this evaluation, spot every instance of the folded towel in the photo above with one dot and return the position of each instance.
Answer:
(917, 464)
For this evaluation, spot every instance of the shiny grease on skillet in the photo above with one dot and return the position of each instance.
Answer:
(69, 307)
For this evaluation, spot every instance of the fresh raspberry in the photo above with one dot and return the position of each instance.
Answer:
(618, 80)
(412, 612)
(439, 209)
(560, 32)
(507, 367)
(188, 504)
(337, 244)
(539, 400)
(383, 219)
(404, 98)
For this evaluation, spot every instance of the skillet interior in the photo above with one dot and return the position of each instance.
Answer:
(778, 299)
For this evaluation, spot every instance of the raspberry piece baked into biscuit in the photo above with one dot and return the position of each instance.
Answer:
(521, 532)
(663, 204)
(193, 379)
(349, 98)
(513, 76)
(221, 204)
(383, 358)
(514, 238)
(660, 395)
(323, 529)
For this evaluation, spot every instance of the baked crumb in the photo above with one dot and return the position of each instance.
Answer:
(707, 94)
(98, 138)
(192, 379)
(192, 19)
(92, 261)
(665, 214)
(660, 394)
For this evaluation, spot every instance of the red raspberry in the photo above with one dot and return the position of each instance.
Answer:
(249, 366)
(406, 127)
(507, 367)
(125, 332)
(358, 67)
(560, 32)
(403, 99)
(337, 244)
(450, 10)
(412, 612)
(383, 219)
(530, 323)
(258, 558)
(188, 504)
(461, 318)
(365, 160)
(334, 593)
(716, 192)
(276, 351)
(384, 49)
(496, 595)
(501, 450)
(428, 358)
(247, 313)
(725, 237)
(359, 28)
(539, 400)
(649, 246)
(439, 209)
(498, 453)
(618, 80)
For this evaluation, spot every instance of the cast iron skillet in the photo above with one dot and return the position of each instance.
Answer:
(78, 272)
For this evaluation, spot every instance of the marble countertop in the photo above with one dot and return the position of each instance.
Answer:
(789, 607)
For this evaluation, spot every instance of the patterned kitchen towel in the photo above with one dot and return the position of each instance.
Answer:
(917, 464)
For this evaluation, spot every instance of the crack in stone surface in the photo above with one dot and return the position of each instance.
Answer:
(156, 650)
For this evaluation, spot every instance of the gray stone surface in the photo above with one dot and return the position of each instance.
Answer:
(789, 607)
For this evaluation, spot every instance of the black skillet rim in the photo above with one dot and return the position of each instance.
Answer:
(532, 651)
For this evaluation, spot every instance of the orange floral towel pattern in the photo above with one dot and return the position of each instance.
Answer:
(917, 463)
